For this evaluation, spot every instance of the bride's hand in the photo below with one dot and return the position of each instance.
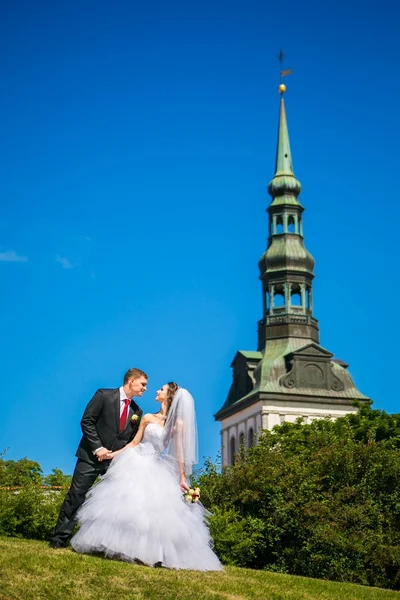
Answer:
(102, 454)
(183, 484)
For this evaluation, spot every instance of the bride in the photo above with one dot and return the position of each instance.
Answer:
(137, 512)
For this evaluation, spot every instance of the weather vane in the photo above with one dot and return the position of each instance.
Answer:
(283, 72)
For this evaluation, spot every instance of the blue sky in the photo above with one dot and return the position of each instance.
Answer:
(137, 142)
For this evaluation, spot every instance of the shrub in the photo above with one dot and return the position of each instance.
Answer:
(57, 478)
(238, 540)
(19, 472)
(320, 500)
(28, 505)
(29, 512)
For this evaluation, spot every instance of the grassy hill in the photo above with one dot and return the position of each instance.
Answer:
(30, 570)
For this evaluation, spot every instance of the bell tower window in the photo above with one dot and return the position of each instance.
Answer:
(279, 296)
(295, 295)
(292, 224)
(279, 224)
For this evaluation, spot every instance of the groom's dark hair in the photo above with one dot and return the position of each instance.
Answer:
(135, 373)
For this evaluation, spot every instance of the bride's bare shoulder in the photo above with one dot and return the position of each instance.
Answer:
(149, 418)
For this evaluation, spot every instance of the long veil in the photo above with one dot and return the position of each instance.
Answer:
(181, 433)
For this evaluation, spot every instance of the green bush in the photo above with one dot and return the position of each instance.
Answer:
(19, 472)
(238, 540)
(57, 478)
(29, 512)
(29, 506)
(320, 500)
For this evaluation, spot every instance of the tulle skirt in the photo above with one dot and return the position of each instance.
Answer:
(136, 513)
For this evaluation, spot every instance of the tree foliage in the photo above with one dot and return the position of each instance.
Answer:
(57, 479)
(321, 500)
(19, 472)
(28, 505)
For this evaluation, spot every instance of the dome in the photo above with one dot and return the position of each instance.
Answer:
(284, 184)
(287, 252)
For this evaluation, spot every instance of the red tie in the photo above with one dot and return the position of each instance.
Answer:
(124, 414)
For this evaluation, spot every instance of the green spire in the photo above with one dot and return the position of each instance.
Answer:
(284, 181)
(283, 165)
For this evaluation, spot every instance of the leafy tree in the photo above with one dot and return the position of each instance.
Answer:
(57, 478)
(19, 472)
(321, 500)
(27, 507)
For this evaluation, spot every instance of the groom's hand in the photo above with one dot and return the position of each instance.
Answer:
(102, 454)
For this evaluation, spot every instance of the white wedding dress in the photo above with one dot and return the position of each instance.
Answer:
(137, 513)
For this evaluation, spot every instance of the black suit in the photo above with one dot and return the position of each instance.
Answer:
(100, 427)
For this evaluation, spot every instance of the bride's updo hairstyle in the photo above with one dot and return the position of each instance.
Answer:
(172, 389)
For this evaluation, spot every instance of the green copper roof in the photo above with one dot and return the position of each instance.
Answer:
(284, 181)
(248, 355)
(273, 367)
(251, 354)
(286, 253)
(286, 199)
(283, 165)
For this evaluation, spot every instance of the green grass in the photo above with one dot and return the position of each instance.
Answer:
(30, 570)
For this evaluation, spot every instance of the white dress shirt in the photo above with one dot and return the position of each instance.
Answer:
(122, 398)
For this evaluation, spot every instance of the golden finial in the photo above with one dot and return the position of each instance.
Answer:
(282, 86)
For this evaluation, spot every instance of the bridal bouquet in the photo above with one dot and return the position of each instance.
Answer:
(192, 496)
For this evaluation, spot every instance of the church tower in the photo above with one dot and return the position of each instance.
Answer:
(290, 375)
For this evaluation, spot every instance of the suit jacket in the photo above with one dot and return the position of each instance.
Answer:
(100, 424)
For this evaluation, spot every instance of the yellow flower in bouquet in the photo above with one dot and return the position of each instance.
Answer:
(192, 495)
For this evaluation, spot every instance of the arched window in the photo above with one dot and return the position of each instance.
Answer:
(291, 224)
(279, 296)
(295, 295)
(242, 447)
(232, 450)
(279, 224)
(250, 437)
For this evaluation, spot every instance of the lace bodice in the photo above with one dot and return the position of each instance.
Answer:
(154, 435)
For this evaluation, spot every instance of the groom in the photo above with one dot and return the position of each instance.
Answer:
(110, 421)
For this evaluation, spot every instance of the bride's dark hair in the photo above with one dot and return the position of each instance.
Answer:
(172, 389)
